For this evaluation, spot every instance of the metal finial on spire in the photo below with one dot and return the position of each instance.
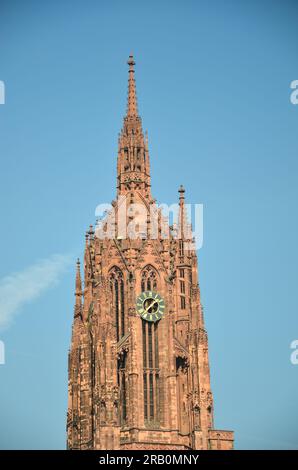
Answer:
(131, 63)
(181, 191)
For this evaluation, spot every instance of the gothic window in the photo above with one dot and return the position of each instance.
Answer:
(149, 279)
(151, 394)
(182, 287)
(145, 397)
(118, 302)
(126, 159)
(181, 248)
(118, 309)
(182, 303)
(150, 362)
(151, 373)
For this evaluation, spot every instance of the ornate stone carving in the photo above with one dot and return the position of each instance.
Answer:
(203, 337)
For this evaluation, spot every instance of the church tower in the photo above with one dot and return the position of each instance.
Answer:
(138, 364)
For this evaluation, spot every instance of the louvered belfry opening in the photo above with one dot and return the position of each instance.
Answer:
(118, 303)
(118, 314)
(150, 357)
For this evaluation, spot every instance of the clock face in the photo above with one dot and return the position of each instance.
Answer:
(150, 306)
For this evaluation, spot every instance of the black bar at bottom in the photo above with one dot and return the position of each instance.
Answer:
(131, 459)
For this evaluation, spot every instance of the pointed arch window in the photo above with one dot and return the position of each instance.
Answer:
(118, 300)
(149, 279)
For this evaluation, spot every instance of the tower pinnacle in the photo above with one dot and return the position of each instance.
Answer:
(78, 279)
(132, 107)
(184, 227)
(78, 291)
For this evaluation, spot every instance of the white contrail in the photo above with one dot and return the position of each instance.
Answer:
(24, 286)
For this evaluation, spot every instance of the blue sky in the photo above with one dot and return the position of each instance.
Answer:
(213, 82)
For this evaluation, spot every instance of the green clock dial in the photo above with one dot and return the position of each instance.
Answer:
(150, 306)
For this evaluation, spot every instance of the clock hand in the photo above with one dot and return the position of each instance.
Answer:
(151, 305)
(146, 309)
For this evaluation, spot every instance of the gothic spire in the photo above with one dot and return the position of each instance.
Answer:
(133, 168)
(132, 106)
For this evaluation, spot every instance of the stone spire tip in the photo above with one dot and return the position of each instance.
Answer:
(132, 107)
